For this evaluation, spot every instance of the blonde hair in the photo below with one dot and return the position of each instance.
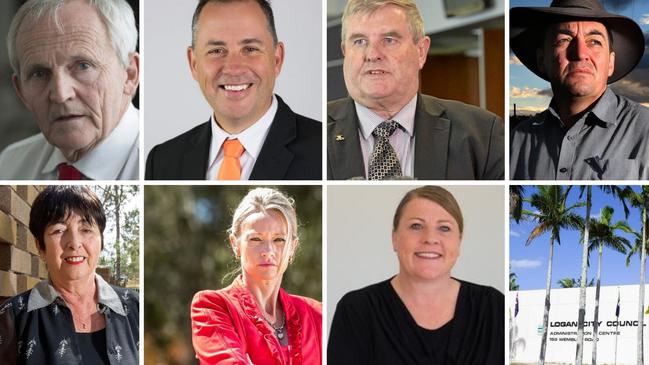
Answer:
(370, 6)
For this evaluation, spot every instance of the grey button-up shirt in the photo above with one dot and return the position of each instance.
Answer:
(36, 327)
(608, 143)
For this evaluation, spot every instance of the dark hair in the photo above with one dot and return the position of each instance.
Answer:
(55, 204)
(265, 7)
(435, 194)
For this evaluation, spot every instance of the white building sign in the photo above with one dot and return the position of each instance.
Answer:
(617, 334)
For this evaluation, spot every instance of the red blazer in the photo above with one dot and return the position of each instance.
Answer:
(228, 328)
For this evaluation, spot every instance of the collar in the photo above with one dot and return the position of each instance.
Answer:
(105, 161)
(605, 109)
(252, 138)
(44, 294)
(368, 120)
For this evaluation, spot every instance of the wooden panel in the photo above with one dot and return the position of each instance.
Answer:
(494, 50)
(451, 77)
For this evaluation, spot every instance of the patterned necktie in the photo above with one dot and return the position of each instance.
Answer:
(384, 163)
(69, 172)
(231, 166)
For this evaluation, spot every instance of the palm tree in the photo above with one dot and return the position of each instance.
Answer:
(513, 285)
(603, 233)
(516, 194)
(620, 195)
(640, 200)
(552, 215)
(573, 283)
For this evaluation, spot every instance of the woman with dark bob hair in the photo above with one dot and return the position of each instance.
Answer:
(422, 315)
(74, 317)
(254, 321)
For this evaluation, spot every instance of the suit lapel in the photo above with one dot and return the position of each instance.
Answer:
(274, 157)
(196, 156)
(343, 143)
(432, 132)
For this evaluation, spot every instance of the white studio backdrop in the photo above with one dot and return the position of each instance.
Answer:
(359, 228)
(172, 100)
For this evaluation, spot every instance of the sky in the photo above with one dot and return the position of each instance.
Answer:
(532, 94)
(530, 263)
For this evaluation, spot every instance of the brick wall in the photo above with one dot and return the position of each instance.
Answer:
(20, 266)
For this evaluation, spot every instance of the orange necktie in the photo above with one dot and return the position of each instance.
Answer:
(231, 166)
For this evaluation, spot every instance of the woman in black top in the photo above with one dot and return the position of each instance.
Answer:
(74, 317)
(422, 315)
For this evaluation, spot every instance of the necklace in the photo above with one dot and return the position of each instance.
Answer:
(279, 330)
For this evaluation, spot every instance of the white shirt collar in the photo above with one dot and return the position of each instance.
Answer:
(369, 120)
(252, 138)
(105, 161)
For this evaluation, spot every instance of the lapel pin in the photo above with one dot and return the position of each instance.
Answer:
(340, 137)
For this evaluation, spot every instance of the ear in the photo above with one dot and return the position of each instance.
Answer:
(422, 49)
(294, 246)
(234, 245)
(342, 48)
(279, 58)
(41, 253)
(15, 81)
(132, 74)
(394, 241)
(191, 58)
(611, 63)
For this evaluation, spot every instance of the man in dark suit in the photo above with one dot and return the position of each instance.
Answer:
(235, 58)
(385, 129)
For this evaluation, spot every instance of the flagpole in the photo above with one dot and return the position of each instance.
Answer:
(617, 321)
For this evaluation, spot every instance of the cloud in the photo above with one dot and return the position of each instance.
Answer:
(645, 104)
(527, 110)
(634, 86)
(644, 19)
(528, 92)
(513, 60)
(514, 233)
(525, 264)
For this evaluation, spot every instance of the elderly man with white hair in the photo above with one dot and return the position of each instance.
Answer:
(76, 69)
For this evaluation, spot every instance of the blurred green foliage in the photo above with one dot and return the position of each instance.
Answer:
(186, 250)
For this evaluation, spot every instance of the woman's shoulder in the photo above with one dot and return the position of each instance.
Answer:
(483, 293)
(305, 303)
(15, 304)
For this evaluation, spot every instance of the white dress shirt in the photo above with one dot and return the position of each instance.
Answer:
(114, 158)
(402, 140)
(252, 138)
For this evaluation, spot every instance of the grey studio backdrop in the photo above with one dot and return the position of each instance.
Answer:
(172, 100)
(359, 229)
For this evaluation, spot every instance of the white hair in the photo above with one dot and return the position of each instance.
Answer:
(117, 15)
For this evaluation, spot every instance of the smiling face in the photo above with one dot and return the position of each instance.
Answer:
(577, 59)
(71, 80)
(263, 246)
(235, 62)
(426, 240)
(382, 62)
(72, 248)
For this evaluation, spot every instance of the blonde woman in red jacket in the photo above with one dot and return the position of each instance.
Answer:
(254, 321)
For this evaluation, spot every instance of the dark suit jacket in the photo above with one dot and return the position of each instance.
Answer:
(292, 151)
(453, 141)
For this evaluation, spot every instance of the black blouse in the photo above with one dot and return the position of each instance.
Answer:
(36, 327)
(373, 326)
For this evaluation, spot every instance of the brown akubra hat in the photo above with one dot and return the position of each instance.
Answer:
(528, 25)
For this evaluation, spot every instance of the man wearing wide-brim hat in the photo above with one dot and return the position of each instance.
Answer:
(588, 132)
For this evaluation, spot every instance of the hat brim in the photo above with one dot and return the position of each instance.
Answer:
(527, 32)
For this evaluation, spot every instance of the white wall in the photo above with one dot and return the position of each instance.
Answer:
(359, 226)
(173, 101)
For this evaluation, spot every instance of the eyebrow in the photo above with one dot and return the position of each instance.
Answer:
(244, 41)
(392, 33)
(571, 33)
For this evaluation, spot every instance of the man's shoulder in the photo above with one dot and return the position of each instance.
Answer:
(31, 151)
(339, 109)
(185, 138)
(531, 123)
(456, 111)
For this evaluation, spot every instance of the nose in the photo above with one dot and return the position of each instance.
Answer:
(61, 87)
(373, 52)
(431, 237)
(73, 239)
(578, 49)
(233, 64)
(267, 249)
